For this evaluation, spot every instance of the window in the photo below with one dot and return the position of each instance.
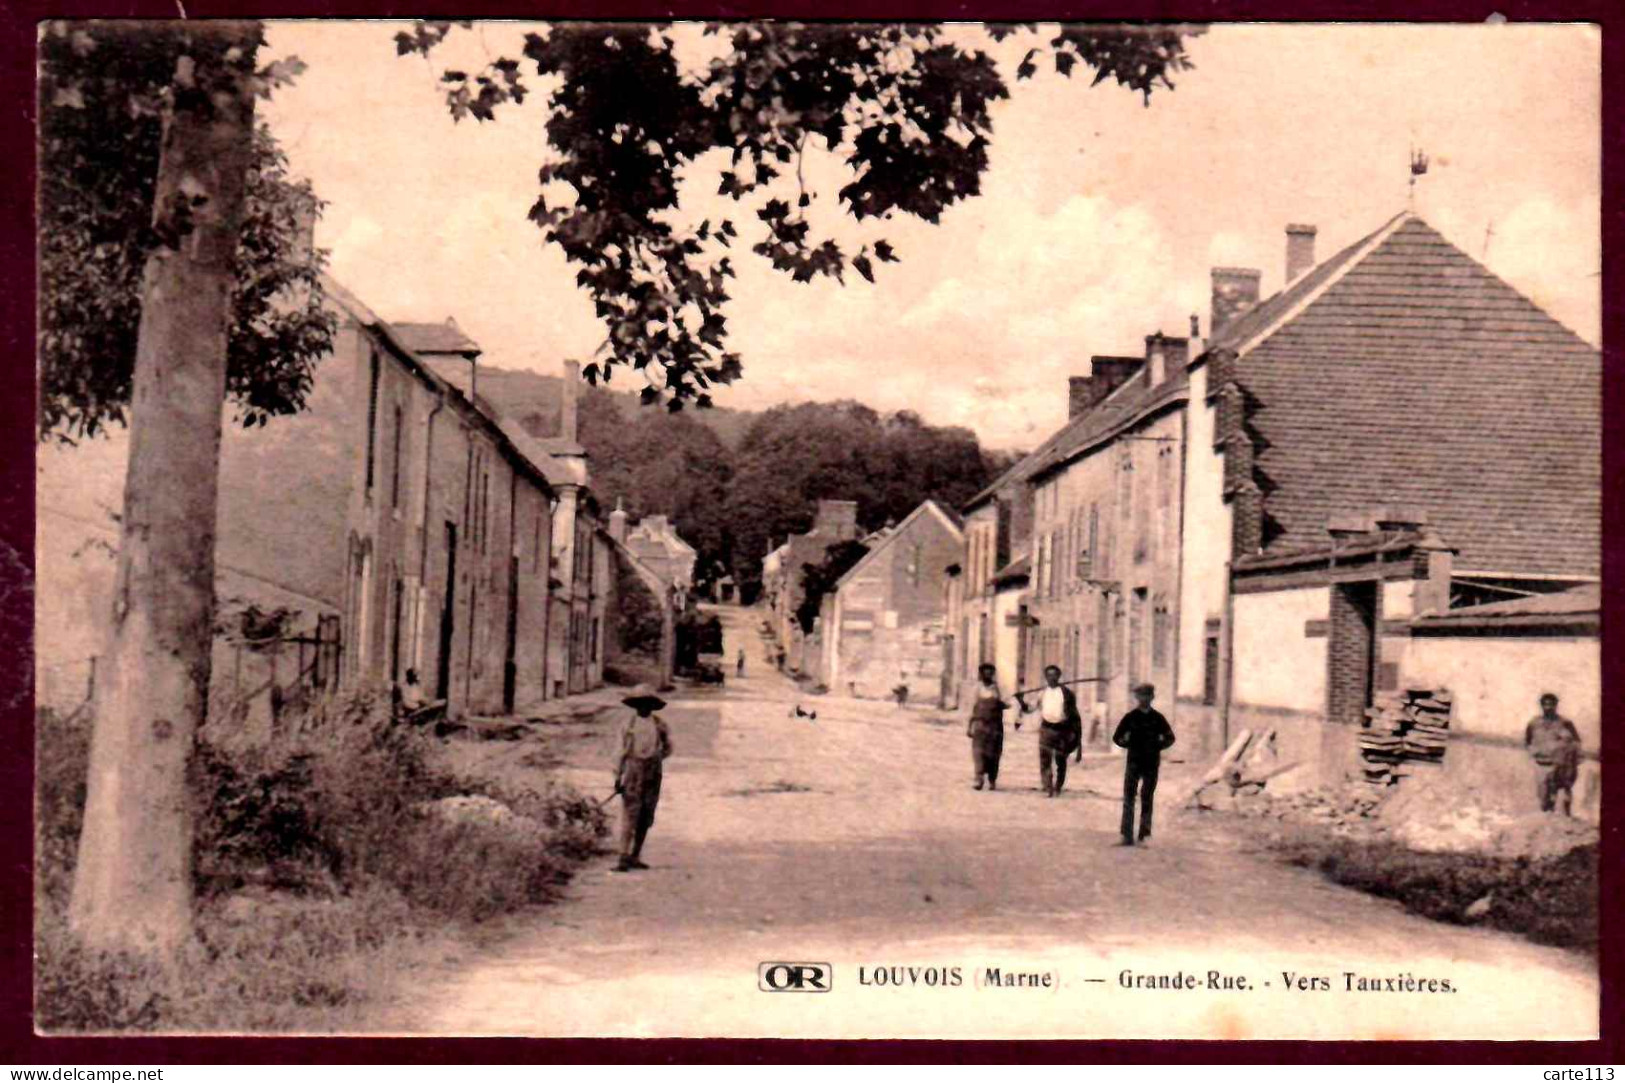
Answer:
(1086, 560)
(372, 420)
(1136, 634)
(1210, 669)
(395, 464)
(1159, 634)
(1142, 523)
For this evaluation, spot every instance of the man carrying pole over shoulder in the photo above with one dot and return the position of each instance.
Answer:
(1060, 730)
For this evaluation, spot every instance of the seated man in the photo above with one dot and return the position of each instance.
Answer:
(410, 706)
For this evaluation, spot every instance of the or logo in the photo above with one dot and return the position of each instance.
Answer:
(794, 977)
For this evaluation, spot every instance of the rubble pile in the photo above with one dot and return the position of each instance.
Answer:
(1405, 735)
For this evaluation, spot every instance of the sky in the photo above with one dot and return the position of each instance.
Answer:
(1098, 223)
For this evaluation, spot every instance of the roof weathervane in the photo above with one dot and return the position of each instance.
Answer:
(1419, 167)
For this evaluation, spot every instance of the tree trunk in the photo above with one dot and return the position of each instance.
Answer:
(132, 885)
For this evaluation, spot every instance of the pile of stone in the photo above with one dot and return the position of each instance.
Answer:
(1405, 734)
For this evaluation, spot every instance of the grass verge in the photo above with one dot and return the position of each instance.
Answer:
(1550, 900)
(326, 866)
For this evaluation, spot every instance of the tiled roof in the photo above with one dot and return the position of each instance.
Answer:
(1586, 598)
(1259, 318)
(1125, 404)
(444, 337)
(1578, 606)
(1119, 411)
(1016, 570)
(1419, 378)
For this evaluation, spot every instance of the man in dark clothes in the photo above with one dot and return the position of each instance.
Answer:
(986, 729)
(1555, 744)
(1060, 728)
(1144, 733)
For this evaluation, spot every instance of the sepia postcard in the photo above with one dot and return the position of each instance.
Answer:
(833, 530)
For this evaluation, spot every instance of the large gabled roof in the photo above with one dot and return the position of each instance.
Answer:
(1404, 372)
(1265, 316)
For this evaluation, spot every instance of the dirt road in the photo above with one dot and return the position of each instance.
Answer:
(856, 840)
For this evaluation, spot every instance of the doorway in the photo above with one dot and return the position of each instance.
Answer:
(1351, 651)
(448, 615)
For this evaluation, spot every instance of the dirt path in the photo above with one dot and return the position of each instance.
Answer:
(856, 840)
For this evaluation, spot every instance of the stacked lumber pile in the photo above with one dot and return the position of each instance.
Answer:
(1405, 734)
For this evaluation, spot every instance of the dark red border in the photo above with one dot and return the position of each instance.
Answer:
(19, 1045)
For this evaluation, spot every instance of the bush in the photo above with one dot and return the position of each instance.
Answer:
(1550, 900)
(316, 861)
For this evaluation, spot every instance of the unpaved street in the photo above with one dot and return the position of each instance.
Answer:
(856, 840)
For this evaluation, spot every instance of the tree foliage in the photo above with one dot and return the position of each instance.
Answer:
(794, 456)
(905, 107)
(103, 88)
(820, 579)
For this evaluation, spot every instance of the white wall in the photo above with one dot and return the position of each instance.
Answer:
(1497, 682)
(1398, 599)
(1276, 665)
(1206, 544)
(1006, 638)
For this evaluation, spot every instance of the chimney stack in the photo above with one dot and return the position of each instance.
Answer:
(568, 401)
(1300, 250)
(1161, 354)
(1235, 291)
(1106, 374)
(617, 522)
(837, 519)
(1080, 395)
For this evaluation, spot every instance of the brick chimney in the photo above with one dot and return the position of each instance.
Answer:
(837, 519)
(1300, 250)
(1106, 374)
(1235, 290)
(1163, 354)
(568, 401)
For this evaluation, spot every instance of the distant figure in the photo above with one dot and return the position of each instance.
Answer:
(645, 744)
(1060, 729)
(1145, 734)
(410, 706)
(1555, 745)
(739, 666)
(986, 729)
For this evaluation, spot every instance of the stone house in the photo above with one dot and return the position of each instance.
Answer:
(1394, 438)
(987, 601)
(398, 522)
(657, 544)
(835, 521)
(883, 624)
(1104, 596)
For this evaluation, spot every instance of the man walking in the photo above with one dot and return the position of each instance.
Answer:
(645, 744)
(1060, 729)
(986, 730)
(1144, 733)
(1555, 745)
(739, 667)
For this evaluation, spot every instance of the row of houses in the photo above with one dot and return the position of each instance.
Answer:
(399, 523)
(1385, 476)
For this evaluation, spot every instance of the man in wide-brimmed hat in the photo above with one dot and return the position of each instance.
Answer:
(645, 743)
